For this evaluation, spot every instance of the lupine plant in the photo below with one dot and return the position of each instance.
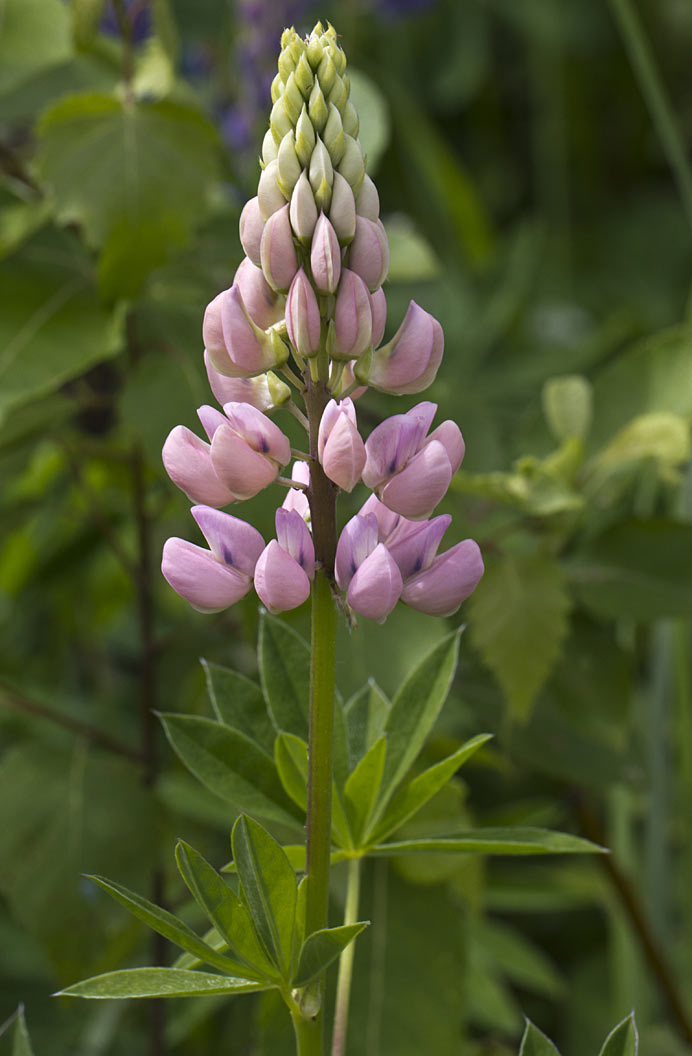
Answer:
(300, 331)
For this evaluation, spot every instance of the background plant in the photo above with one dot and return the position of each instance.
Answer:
(538, 264)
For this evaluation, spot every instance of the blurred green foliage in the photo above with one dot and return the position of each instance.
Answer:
(531, 206)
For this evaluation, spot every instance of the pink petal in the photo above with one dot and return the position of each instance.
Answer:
(280, 582)
(262, 303)
(449, 435)
(232, 542)
(376, 586)
(238, 390)
(378, 308)
(199, 578)
(303, 315)
(188, 463)
(390, 446)
(259, 432)
(416, 491)
(440, 590)
(238, 465)
(294, 537)
(296, 499)
(251, 228)
(325, 256)
(211, 419)
(277, 251)
(245, 345)
(344, 456)
(387, 520)
(414, 548)
(358, 539)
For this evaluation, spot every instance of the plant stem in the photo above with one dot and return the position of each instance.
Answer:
(657, 101)
(343, 986)
(308, 1034)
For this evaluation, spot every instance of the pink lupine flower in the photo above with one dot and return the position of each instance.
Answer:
(408, 363)
(303, 315)
(187, 460)
(277, 251)
(408, 471)
(378, 309)
(264, 391)
(269, 196)
(263, 305)
(286, 565)
(296, 499)
(213, 579)
(340, 447)
(251, 227)
(325, 256)
(366, 570)
(369, 252)
(352, 318)
(236, 346)
(247, 450)
(368, 200)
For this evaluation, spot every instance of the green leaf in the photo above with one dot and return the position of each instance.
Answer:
(637, 570)
(291, 757)
(52, 326)
(160, 982)
(150, 166)
(322, 948)
(535, 1042)
(518, 620)
(21, 1043)
(494, 841)
(411, 258)
(163, 922)
(366, 714)
(225, 911)
(415, 709)
(411, 797)
(269, 886)
(296, 854)
(623, 1040)
(231, 765)
(34, 35)
(284, 659)
(374, 116)
(363, 787)
(238, 702)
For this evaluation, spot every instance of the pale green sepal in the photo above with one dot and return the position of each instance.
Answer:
(623, 1040)
(160, 982)
(293, 98)
(338, 95)
(317, 107)
(326, 71)
(322, 948)
(352, 165)
(289, 165)
(493, 841)
(315, 49)
(535, 1043)
(269, 886)
(350, 120)
(333, 135)
(270, 151)
(409, 799)
(305, 137)
(362, 789)
(304, 76)
(163, 922)
(277, 88)
(225, 911)
(279, 121)
(279, 391)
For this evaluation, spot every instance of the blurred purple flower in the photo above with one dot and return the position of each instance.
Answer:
(138, 15)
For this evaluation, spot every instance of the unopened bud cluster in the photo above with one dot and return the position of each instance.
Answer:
(307, 304)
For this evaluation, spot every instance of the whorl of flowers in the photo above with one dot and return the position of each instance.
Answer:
(307, 303)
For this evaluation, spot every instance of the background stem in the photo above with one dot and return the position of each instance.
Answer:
(343, 986)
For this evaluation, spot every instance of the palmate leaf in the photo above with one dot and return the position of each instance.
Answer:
(366, 714)
(623, 1040)
(536, 1043)
(135, 176)
(362, 788)
(238, 702)
(493, 841)
(322, 948)
(160, 982)
(16, 1027)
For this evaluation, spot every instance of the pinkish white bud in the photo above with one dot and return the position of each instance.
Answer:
(251, 228)
(262, 303)
(247, 451)
(409, 362)
(302, 210)
(339, 445)
(303, 315)
(277, 251)
(368, 200)
(269, 194)
(342, 211)
(187, 460)
(296, 499)
(352, 317)
(369, 252)
(378, 307)
(281, 583)
(255, 391)
(376, 587)
(325, 256)
(246, 349)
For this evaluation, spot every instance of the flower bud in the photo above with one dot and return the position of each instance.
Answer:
(366, 571)
(280, 582)
(304, 76)
(368, 200)
(325, 256)
(340, 448)
(296, 499)
(269, 148)
(187, 460)
(352, 165)
(277, 252)
(369, 252)
(302, 210)
(279, 120)
(317, 107)
(303, 316)
(269, 195)
(352, 318)
(378, 307)
(315, 48)
(263, 305)
(321, 175)
(289, 166)
(349, 117)
(342, 211)
(409, 362)
(277, 87)
(333, 135)
(265, 391)
(245, 349)
(440, 589)
(305, 138)
(293, 99)
(251, 227)
(293, 537)
(247, 451)
(346, 381)
(338, 93)
(326, 71)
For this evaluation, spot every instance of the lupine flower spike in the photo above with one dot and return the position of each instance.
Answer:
(307, 302)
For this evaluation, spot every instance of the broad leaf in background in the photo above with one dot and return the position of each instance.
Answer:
(535, 1042)
(374, 117)
(52, 325)
(518, 620)
(34, 35)
(150, 167)
(637, 570)
(623, 1040)
(231, 765)
(17, 1030)
(493, 841)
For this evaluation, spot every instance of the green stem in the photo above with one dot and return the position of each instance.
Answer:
(308, 1034)
(343, 986)
(653, 90)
